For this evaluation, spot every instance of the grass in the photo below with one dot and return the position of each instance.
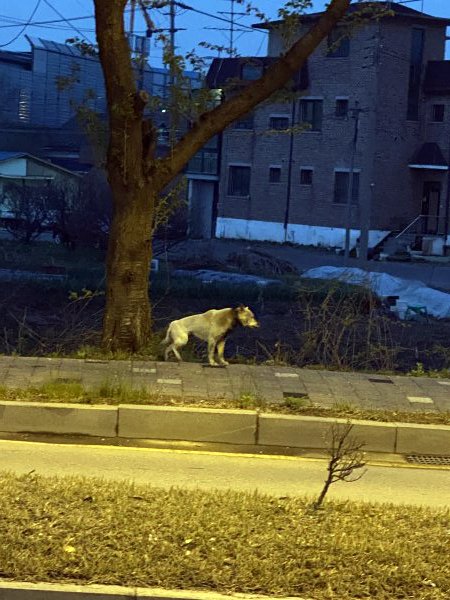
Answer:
(91, 531)
(121, 392)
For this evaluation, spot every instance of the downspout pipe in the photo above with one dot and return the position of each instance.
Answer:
(289, 173)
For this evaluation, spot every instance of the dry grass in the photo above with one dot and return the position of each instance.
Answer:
(90, 531)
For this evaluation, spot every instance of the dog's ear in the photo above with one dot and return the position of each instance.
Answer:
(239, 307)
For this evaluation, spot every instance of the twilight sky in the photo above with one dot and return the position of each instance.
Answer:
(196, 26)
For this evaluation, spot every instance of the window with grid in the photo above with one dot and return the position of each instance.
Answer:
(338, 44)
(239, 180)
(274, 174)
(311, 113)
(438, 112)
(279, 122)
(341, 183)
(341, 107)
(245, 122)
(306, 176)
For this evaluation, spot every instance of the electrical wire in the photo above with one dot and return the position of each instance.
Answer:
(55, 26)
(68, 22)
(50, 21)
(212, 16)
(24, 27)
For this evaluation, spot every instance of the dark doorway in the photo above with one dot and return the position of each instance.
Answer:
(431, 200)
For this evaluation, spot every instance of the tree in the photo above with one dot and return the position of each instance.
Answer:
(138, 177)
(346, 456)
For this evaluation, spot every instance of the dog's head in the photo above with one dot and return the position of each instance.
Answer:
(245, 316)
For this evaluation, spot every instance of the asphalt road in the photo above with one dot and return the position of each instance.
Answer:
(277, 475)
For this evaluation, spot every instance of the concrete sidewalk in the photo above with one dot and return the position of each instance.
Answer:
(271, 383)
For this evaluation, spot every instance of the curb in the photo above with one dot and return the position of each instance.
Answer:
(15, 590)
(244, 427)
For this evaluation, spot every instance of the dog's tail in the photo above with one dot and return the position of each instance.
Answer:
(168, 337)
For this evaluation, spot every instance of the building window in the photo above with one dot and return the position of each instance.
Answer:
(245, 122)
(24, 105)
(437, 113)
(250, 72)
(311, 113)
(239, 181)
(274, 174)
(338, 44)
(306, 176)
(341, 107)
(341, 182)
(279, 123)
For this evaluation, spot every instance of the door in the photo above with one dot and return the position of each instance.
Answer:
(431, 200)
(201, 198)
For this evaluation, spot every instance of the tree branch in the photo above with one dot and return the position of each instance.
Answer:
(276, 77)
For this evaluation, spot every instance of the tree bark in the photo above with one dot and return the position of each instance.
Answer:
(127, 319)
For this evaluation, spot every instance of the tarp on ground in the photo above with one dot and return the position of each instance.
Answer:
(411, 292)
(209, 276)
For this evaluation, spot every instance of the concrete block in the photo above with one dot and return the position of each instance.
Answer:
(47, 417)
(16, 590)
(413, 438)
(164, 594)
(311, 432)
(191, 424)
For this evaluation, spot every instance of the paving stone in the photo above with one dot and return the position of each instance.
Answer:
(287, 375)
(420, 399)
(268, 382)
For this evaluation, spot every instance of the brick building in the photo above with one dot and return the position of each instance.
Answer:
(390, 75)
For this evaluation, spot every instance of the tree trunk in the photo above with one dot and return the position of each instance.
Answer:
(127, 319)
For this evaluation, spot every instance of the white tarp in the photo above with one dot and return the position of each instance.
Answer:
(411, 292)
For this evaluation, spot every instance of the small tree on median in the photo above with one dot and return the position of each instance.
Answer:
(346, 457)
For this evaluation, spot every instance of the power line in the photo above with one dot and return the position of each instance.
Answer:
(56, 26)
(212, 16)
(64, 19)
(50, 21)
(24, 27)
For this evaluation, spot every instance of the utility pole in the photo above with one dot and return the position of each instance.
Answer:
(231, 48)
(132, 12)
(232, 14)
(172, 39)
(348, 213)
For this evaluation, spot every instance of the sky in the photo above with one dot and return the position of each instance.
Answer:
(194, 26)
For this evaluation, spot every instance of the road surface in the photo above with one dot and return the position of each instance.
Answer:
(277, 475)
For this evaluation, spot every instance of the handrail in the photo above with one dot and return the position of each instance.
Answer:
(414, 221)
(408, 226)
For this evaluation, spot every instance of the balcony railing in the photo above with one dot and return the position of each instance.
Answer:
(204, 162)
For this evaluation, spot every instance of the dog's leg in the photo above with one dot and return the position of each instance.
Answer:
(220, 351)
(211, 351)
(181, 339)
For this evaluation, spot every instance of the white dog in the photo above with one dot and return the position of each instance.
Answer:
(212, 326)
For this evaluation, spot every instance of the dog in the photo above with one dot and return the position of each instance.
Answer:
(212, 326)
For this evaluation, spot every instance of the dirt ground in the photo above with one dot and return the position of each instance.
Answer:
(38, 319)
(65, 317)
